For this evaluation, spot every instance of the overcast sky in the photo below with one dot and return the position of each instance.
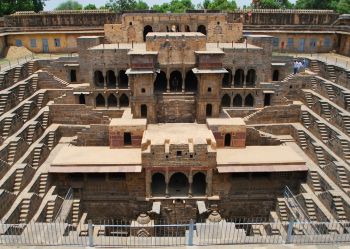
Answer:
(52, 4)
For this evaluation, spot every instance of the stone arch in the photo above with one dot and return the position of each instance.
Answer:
(276, 75)
(209, 110)
(237, 101)
(227, 141)
(175, 81)
(187, 28)
(178, 184)
(111, 79)
(124, 100)
(199, 184)
(143, 110)
(99, 79)
(239, 78)
(112, 100)
(191, 82)
(123, 80)
(202, 29)
(249, 100)
(100, 101)
(147, 29)
(226, 101)
(160, 84)
(251, 78)
(158, 185)
(227, 79)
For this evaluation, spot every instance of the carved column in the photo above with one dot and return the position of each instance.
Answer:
(190, 181)
(167, 184)
(148, 183)
(209, 180)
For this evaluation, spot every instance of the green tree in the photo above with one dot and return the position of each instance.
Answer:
(206, 4)
(70, 5)
(121, 5)
(222, 5)
(175, 6)
(274, 4)
(314, 4)
(8, 7)
(90, 6)
(343, 7)
(141, 5)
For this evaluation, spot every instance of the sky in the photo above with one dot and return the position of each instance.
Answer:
(52, 4)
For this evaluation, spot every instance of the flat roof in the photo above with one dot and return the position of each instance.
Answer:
(139, 71)
(175, 34)
(225, 121)
(259, 159)
(96, 159)
(209, 71)
(114, 46)
(128, 122)
(212, 46)
(177, 133)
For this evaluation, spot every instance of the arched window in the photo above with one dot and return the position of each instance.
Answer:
(275, 75)
(175, 81)
(208, 110)
(99, 79)
(251, 78)
(124, 100)
(178, 185)
(187, 28)
(111, 79)
(226, 101)
(112, 101)
(237, 101)
(228, 139)
(123, 79)
(100, 100)
(239, 78)
(199, 184)
(158, 185)
(82, 99)
(146, 30)
(249, 100)
(160, 83)
(227, 79)
(143, 111)
(191, 82)
(202, 29)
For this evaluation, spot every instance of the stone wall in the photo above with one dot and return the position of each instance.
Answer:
(2, 46)
(95, 135)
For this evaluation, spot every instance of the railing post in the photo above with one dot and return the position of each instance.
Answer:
(289, 232)
(91, 233)
(190, 233)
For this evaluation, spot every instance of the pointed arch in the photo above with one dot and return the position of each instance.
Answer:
(237, 101)
(123, 80)
(226, 101)
(99, 79)
(124, 100)
(176, 81)
(160, 83)
(191, 82)
(239, 78)
(249, 100)
(227, 79)
(111, 79)
(100, 101)
(112, 101)
(147, 29)
(251, 78)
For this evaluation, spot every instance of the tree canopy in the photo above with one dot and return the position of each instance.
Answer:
(175, 6)
(70, 5)
(273, 4)
(8, 7)
(90, 6)
(125, 5)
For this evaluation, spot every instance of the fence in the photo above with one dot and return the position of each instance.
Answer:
(155, 233)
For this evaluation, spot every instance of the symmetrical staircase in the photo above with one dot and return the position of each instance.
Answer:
(346, 122)
(30, 133)
(30, 67)
(315, 179)
(322, 128)
(309, 100)
(45, 120)
(314, 66)
(313, 84)
(320, 157)
(40, 99)
(11, 152)
(24, 210)
(3, 103)
(302, 139)
(35, 83)
(18, 180)
(330, 91)
(43, 184)
(305, 118)
(26, 111)
(51, 140)
(21, 91)
(36, 157)
(339, 208)
(50, 211)
(17, 74)
(347, 100)
(343, 178)
(325, 110)
(310, 208)
(75, 211)
(346, 148)
(331, 73)
(7, 127)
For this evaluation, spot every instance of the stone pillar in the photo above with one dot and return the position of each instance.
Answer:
(167, 80)
(118, 102)
(167, 184)
(106, 100)
(209, 180)
(190, 181)
(105, 78)
(148, 183)
(117, 79)
(244, 80)
(183, 81)
(231, 101)
(232, 77)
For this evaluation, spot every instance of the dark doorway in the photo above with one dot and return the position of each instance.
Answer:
(226, 101)
(158, 185)
(275, 75)
(191, 82)
(99, 79)
(175, 81)
(227, 79)
(249, 101)
(178, 185)
(251, 78)
(239, 78)
(112, 101)
(143, 111)
(124, 100)
(127, 138)
(237, 101)
(209, 110)
(73, 75)
(228, 139)
(100, 101)
(202, 29)
(267, 99)
(146, 30)
(160, 83)
(111, 79)
(82, 99)
(187, 28)
(123, 79)
(199, 184)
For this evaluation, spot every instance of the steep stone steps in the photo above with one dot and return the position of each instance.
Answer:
(315, 179)
(43, 184)
(30, 133)
(320, 156)
(36, 157)
(3, 103)
(51, 140)
(50, 211)
(7, 127)
(11, 152)
(331, 73)
(18, 181)
(339, 208)
(21, 91)
(24, 211)
(309, 99)
(302, 139)
(75, 211)
(322, 128)
(330, 91)
(325, 110)
(314, 66)
(343, 178)
(40, 99)
(310, 209)
(26, 111)
(305, 118)
(45, 120)
(346, 148)
(17, 74)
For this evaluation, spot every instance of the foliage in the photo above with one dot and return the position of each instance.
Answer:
(222, 5)
(274, 4)
(125, 5)
(314, 4)
(70, 5)
(90, 7)
(175, 6)
(8, 7)
(343, 7)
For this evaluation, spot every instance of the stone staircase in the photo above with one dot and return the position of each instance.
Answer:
(320, 157)
(343, 177)
(282, 209)
(75, 211)
(11, 152)
(246, 118)
(45, 120)
(17, 74)
(30, 133)
(322, 128)
(339, 208)
(51, 140)
(7, 127)
(40, 100)
(314, 66)
(35, 83)
(18, 181)
(43, 184)
(24, 211)
(309, 99)
(3, 103)
(313, 84)
(2, 80)
(302, 139)
(30, 67)
(36, 157)
(50, 211)
(345, 148)
(346, 122)
(21, 91)
(305, 118)
(330, 91)
(315, 179)
(310, 209)
(325, 110)
(26, 111)
(331, 73)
